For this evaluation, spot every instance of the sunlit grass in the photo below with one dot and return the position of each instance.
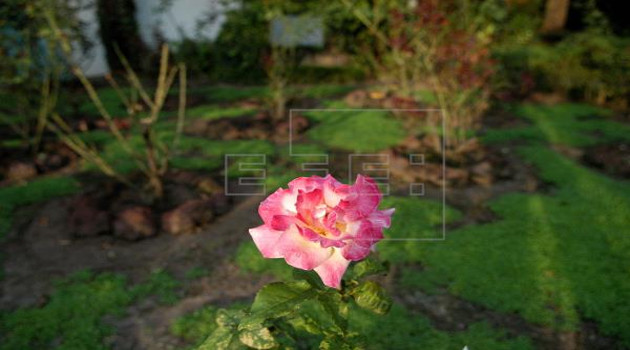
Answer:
(553, 259)
(361, 131)
(568, 124)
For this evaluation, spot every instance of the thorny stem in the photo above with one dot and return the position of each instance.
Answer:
(181, 111)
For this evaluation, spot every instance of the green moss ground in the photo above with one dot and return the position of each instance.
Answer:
(553, 259)
(363, 131)
(556, 258)
(72, 319)
(568, 124)
(39, 190)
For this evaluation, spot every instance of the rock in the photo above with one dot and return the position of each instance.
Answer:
(482, 174)
(297, 126)
(432, 142)
(251, 103)
(220, 203)
(398, 102)
(222, 129)
(470, 147)
(183, 176)
(196, 127)
(431, 173)
(21, 171)
(456, 176)
(86, 219)
(255, 132)
(188, 216)
(412, 143)
(356, 98)
(377, 95)
(134, 223)
(400, 168)
(178, 193)
(209, 186)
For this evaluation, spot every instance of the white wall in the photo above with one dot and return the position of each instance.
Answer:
(181, 17)
(93, 62)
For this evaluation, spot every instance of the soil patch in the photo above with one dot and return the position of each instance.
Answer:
(450, 313)
(40, 250)
(612, 159)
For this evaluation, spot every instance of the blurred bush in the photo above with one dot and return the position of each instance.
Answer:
(197, 55)
(241, 44)
(31, 67)
(242, 50)
(587, 62)
(590, 66)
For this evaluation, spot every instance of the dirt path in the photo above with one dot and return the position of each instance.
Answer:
(41, 250)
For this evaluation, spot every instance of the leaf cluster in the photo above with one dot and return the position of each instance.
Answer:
(289, 315)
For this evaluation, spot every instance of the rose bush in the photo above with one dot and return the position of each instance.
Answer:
(321, 224)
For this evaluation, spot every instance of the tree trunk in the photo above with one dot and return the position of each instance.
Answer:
(118, 28)
(556, 12)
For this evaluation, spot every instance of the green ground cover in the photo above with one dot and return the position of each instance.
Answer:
(39, 190)
(400, 329)
(554, 258)
(360, 131)
(570, 124)
(72, 319)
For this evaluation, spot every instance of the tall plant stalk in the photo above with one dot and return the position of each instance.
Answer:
(152, 161)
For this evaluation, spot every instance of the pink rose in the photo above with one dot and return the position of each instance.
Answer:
(321, 224)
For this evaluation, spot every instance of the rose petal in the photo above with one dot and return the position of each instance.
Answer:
(331, 271)
(382, 218)
(306, 184)
(282, 222)
(363, 198)
(358, 247)
(325, 242)
(266, 239)
(281, 202)
(300, 252)
(333, 192)
(330, 223)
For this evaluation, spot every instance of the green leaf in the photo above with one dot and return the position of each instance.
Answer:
(276, 300)
(259, 338)
(229, 318)
(305, 323)
(350, 342)
(220, 339)
(309, 277)
(368, 267)
(336, 307)
(371, 296)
